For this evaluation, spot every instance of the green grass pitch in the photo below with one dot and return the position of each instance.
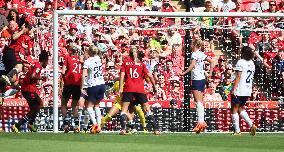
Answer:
(110, 142)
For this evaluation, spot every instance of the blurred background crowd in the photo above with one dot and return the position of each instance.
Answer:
(27, 25)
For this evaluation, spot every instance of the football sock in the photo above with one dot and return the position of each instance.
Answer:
(141, 115)
(200, 111)
(65, 121)
(151, 120)
(245, 116)
(98, 114)
(92, 115)
(76, 122)
(86, 119)
(236, 119)
(123, 118)
(22, 121)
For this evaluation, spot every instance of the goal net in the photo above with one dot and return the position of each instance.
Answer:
(165, 38)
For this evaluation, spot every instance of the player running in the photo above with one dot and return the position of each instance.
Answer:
(242, 90)
(72, 76)
(131, 86)
(92, 69)
(198, 81)
(31, 93)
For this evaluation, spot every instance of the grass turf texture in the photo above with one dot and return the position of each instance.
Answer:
(49, 142)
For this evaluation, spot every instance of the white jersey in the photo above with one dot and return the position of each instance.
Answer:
(95, 74)
(247, 68)
(198, 72)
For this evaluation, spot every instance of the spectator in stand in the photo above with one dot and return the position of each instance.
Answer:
(81, 4)
(207, 49)
(39, 4)
(89, 5)
(175, 87)
(277, 74)
(13, 15)
(173, 37)
(226, 6)
(119, 5)
(71, 5)
(220, 68)
(270, 54)
(211, 94)
(281, 6)
(260, 6)
(12, 29)
(3, 23)
(206, 30)
(257, 95)
(227, 86)
(28, 9)
(101, 5)
(157, 5)
(153, 60)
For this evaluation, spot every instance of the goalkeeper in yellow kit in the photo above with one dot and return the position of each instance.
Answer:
(117, 107)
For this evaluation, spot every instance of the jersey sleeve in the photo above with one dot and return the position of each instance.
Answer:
(239, 66)
(204, 56)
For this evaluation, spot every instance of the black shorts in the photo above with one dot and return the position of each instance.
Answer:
(134, 97)
(33, 99)
(73, 90)
(241, 100)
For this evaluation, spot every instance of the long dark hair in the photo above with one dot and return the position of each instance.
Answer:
(10, 18)
(247, 53)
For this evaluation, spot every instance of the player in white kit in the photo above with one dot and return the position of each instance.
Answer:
(96, 86)
(198, 81)
(242, 89)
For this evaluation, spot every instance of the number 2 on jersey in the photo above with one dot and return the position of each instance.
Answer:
(249, 74)
(134, 73)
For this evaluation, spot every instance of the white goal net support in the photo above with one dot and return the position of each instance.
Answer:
(185, 15)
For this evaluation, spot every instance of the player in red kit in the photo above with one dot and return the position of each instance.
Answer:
(31, 93)
(72, 76)
(133, 75)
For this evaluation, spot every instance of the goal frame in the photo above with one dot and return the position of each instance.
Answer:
(57, 13)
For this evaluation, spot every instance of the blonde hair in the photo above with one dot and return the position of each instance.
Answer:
(134, 54)
(93, 50)
(197, 43)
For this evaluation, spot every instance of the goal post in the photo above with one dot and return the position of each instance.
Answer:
(57, 13)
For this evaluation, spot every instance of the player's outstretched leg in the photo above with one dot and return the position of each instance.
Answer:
(123, 119)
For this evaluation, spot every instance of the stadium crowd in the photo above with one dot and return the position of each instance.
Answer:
(26, 27)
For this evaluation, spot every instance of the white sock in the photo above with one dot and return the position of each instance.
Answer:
(86, 119)
(80, 111)
(92, 115)
(245, 116)
(236, 122)
(98, 115)
(200, 111)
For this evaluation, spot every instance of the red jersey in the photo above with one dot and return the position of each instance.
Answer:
(29, 84)
(73, 75)
(134, 76)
